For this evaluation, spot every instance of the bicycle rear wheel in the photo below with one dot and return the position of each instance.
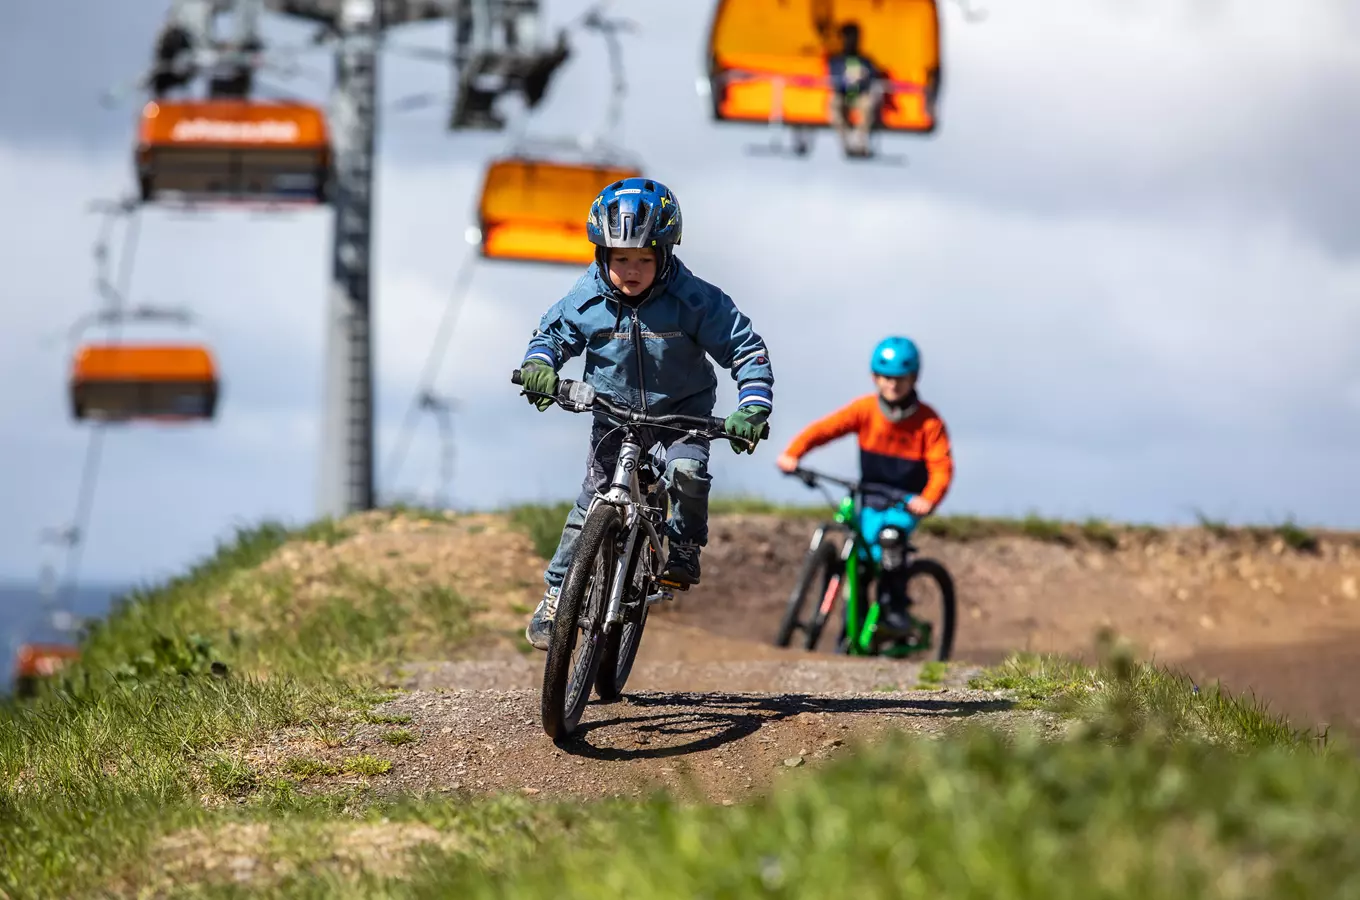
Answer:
(622, 642)
(567, 674)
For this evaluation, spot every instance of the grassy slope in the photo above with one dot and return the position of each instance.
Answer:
(1157, 786)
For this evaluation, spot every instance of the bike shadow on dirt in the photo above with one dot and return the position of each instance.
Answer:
(718, 719)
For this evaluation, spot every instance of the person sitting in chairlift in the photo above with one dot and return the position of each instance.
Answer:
(856, 83)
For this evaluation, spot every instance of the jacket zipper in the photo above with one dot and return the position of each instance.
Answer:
(637, 346)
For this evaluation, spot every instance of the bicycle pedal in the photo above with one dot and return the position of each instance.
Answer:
(659, 597)
(672, 585)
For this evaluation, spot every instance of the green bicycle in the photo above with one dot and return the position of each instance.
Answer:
(851, 571)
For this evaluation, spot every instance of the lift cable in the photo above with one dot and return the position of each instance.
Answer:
(434, 361)
(115, 297)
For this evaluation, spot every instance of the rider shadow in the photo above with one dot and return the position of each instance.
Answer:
(724, 718)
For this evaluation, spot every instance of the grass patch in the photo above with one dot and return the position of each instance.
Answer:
(932, 675)
(542, 523)
(976, 816)
(308, 767)
(230, 776)
(1296, 538)
(1142, 697)
(1099, 532)
(126, 742)
(1217, 527)
(962, 528)
(366, 764)
(398, 736)
(757, 506)
(1048, 531)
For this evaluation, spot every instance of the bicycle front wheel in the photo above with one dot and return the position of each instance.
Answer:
(578, 630)
(820, 581)
(926, 578)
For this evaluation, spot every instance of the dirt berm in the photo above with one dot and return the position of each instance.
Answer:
(714, 707)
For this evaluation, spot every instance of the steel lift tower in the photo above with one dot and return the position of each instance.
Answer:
(346, 475)
(488, 66)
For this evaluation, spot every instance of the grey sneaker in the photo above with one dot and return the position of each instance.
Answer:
(539, 632)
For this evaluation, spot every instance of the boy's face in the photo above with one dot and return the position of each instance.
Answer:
(632, 271)
(894, 389)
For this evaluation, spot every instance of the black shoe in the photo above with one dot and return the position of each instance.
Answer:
(682, 565)
(896, 619)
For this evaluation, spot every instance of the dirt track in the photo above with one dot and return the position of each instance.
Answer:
(713, 708)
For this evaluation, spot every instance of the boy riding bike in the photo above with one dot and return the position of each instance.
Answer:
(904, 452)
(645, 323)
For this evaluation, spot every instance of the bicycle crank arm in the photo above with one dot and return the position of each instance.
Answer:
(659, 597)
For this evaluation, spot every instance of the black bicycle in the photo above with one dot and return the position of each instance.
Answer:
(615, 573)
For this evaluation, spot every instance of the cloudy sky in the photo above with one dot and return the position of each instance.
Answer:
(1130, 255)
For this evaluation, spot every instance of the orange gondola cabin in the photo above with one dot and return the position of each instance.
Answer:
(233, 151)
(149, 382)
(768, 59)
(535, 210)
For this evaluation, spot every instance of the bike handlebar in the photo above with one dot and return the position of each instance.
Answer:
(577, 396)
(810, 477)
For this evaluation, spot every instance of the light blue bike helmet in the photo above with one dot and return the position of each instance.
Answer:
(895, 357)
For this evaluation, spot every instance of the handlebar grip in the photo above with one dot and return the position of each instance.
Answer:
(517, 377)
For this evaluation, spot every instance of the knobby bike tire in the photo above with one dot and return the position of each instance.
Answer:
(621, 643)
(831, 578)
(929, 568)
(560, 710)
(813, 572)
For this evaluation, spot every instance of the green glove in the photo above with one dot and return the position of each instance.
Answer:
(539, 377)
(747, 422)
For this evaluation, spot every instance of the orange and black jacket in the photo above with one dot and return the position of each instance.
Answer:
(910, 456)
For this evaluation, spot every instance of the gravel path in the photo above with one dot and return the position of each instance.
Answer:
(712, 718)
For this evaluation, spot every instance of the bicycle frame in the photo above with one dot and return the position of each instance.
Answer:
(625, 492)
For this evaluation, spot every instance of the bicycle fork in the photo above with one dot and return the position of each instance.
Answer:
(622, 493)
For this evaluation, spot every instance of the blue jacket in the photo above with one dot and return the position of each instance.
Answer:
(652, 356)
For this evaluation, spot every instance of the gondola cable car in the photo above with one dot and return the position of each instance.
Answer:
(533, 197)
(149, 381)
(768, 62)
(227, 147)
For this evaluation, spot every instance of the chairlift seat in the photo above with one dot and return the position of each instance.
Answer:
(767, 60)
(534, 210)
(149, 382)
(233, 150)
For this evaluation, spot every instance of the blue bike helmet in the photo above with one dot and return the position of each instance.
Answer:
(895, 357)
(635, 212)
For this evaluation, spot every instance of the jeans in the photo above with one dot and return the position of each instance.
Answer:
(687, 482)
